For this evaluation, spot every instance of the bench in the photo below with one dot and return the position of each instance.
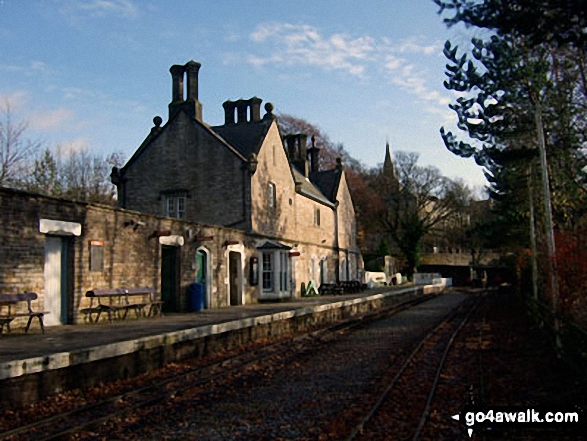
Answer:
(351, 286)
(9, 310)
(113, 301)
(346, 287)
(330, 288)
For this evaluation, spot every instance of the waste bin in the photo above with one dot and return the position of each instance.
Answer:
(196, 296)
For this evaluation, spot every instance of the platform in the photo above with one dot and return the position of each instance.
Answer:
(34, 365)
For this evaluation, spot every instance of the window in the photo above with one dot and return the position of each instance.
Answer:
(267, 271)
(275, 271)
(96, 255)
(317, 217)
(272, 195)
(175, 205)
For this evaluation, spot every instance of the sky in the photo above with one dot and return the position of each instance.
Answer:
(92, 74)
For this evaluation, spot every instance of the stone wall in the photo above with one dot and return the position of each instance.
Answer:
(214, 186)
(130, 246)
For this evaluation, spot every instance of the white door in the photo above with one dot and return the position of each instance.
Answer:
(54, 281)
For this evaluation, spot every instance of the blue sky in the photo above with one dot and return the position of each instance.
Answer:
(92, 74)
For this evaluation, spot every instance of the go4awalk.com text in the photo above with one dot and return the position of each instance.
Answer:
(494, 419)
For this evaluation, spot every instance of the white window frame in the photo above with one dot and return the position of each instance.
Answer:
(267, 271)
(275, 270)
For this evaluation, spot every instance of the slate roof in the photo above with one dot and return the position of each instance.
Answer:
(247, 138)
(309, 189)
(327, 181)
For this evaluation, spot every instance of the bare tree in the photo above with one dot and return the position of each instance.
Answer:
(416, 200)
(16, 150)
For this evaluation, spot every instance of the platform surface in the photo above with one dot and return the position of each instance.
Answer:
(65, 345)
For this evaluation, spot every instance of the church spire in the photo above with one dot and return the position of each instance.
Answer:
(390, 181)
(388, 169)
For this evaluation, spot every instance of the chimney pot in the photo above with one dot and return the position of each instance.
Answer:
(255, 103)
(242, 107)
(192, 68)
(177, 80)
(229, 107)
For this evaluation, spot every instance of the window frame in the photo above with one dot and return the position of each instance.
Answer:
(175, 205)
(275, 271)
(267, 268)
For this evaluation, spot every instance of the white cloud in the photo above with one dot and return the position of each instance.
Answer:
(35, 66)
(402, 63)
(77, 9)
(303, 44)
(418, 46)
(38, 65)
(51, 120)
(410, 78)
(74, 146)
(14, 99)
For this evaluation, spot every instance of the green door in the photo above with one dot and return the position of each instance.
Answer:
(170, 278)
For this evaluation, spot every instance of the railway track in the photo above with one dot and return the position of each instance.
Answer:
(402, 410)
(90, 416)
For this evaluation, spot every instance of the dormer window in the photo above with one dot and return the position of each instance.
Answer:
(272, 195)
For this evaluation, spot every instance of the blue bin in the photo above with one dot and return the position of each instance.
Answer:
(196, 296)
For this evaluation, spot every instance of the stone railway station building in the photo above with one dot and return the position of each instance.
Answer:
(240, 210)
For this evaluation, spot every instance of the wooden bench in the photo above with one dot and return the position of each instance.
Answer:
(351, 286)
(113, 301)
(9, 310)
(330, 288)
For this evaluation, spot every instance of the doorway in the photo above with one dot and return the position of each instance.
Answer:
(235, 277)
(170, 277)
(57, 281)
(202, 274)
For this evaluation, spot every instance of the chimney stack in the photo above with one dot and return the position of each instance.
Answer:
(246, 110)
(192, 105)
(314, 154)
(297, 152)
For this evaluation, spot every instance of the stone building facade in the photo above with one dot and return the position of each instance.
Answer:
(243, 175)
(246, 215)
